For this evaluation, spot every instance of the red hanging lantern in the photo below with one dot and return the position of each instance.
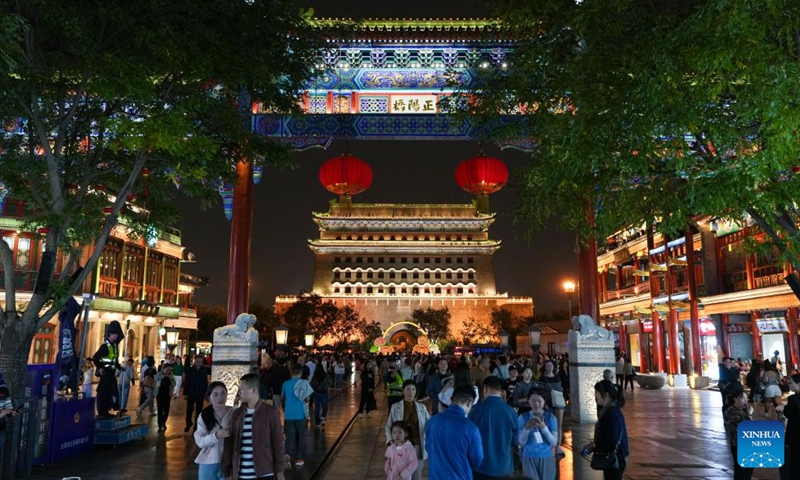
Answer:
(145, 172)
(482, 175)
(345, 175)
(43, 230)
(108, 210)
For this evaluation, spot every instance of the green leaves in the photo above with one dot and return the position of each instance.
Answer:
(675, 109)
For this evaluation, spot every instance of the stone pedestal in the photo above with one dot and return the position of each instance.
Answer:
(697, 382)
(679, 380)
(588, 357)
(235, 354)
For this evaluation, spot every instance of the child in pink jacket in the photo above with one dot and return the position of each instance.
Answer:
(401, 456)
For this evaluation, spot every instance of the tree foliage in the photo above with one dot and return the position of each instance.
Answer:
(479, 331)
(93, 93)
(209, 318)
(435, 321)
(369, 331)
(652, 111)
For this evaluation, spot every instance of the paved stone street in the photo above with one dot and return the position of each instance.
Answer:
(674, 434)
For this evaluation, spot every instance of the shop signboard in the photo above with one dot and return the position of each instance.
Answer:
(739, 328)
(772, 325)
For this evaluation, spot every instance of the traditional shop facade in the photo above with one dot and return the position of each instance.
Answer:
(653, 289)
(135, 282)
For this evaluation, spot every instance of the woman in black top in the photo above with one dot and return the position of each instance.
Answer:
(368, 372)
(610, 433)
(792, 438)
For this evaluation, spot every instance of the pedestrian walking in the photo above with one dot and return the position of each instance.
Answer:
(338, 371)
(88, 374)
(453, 442)
(537, 436)
(497, 423)
(401, 457)
(125, 379)
(254, 449)
(211, 432)
(554, 398)
(436, 383)
(195, 387)
(610, 434)
(415, 416)
(177, 373)
(149, 385)
(792, 438)
(320, 385)
(736, 413)
(520, 398)
(367, 402)
(295, 394)
(165, 385)
(630, 373)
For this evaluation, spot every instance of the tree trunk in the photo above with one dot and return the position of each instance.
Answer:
(14, 349)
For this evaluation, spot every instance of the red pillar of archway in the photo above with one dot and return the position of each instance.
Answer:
(241, 230)
(587, 274)
(694, 314)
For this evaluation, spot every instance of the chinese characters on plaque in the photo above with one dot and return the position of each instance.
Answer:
(413, 104)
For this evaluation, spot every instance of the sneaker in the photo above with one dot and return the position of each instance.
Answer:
(288, 460)
(299, 463)
(322, 422)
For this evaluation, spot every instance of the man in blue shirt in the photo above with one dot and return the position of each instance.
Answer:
(294, 395)
(453, 442)
(497, 423)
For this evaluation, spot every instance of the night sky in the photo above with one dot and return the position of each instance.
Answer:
(404, 172)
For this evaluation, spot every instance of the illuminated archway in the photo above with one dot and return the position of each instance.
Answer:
(423, 343)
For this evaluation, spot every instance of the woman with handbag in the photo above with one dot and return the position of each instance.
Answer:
(554, 396)
(610, 445)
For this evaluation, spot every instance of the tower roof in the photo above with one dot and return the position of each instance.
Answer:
(425, 30)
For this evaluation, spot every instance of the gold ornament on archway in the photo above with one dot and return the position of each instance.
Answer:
(386, 350)
(422, 349)
(423, 341)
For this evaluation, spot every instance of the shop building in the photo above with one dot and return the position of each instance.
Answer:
(136, 282)
(654, 289)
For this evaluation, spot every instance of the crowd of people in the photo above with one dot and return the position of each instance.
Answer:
(754, 390)
(481, 417)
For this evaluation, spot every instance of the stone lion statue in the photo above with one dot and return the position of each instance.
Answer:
(239, 330)
(588, 328)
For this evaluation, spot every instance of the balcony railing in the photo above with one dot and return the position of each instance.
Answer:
(765, 276)
(630, 291)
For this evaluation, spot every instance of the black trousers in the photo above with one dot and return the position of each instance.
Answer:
(163, 409)
(193, 403)
(107, 395)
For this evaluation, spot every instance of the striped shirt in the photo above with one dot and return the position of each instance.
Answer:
(247, 469)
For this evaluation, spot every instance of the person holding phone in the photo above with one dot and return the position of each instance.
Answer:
(6, 411)
(537, 435)
(212, 430)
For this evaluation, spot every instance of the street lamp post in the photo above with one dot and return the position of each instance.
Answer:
(535, 337)
(281, 335)
(309, 339)
(503, 338)
(172, 339)
(569, 289)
